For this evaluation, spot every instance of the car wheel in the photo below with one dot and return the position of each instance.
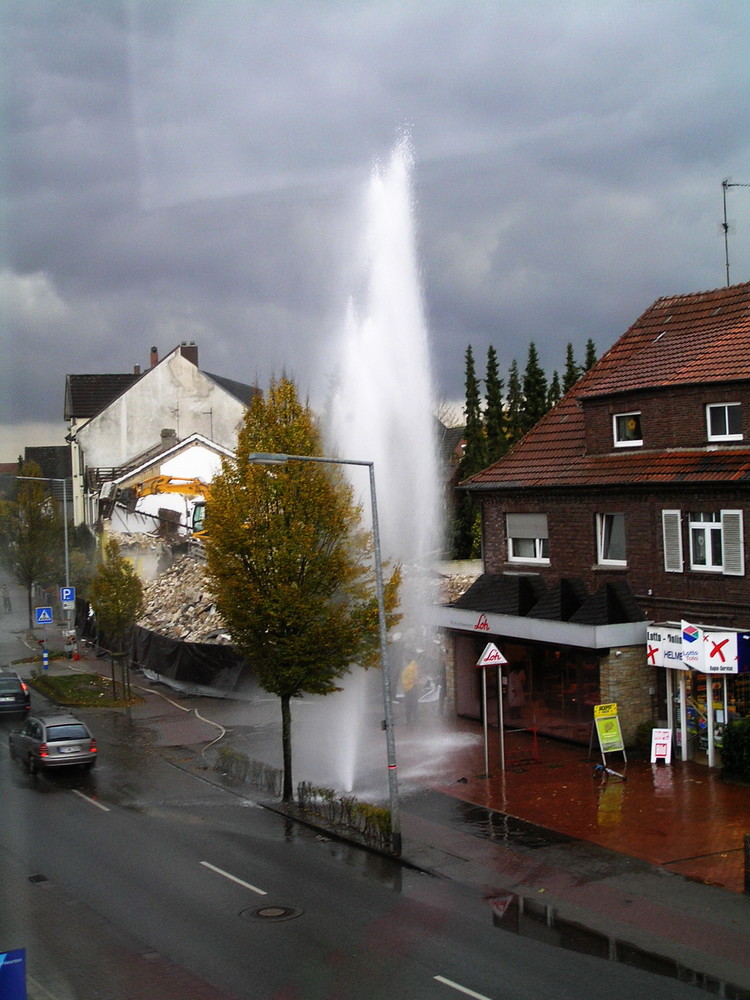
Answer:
(88, 765)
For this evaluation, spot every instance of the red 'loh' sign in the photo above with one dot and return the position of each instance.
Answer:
(491, 656)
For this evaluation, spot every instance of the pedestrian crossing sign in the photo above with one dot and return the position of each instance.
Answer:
(43, 616)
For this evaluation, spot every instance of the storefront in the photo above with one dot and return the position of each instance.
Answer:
(556, 672)
(707, 675)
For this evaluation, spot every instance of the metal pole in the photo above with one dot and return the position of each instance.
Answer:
(385, 670)
(484, 723)
(501, 724)
(725, 227)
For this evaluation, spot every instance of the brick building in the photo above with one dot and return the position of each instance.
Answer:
(626, 505)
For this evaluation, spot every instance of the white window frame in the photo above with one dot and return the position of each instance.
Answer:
(624, 442)
(604, 524)
(725, 435)
(729, 525)
(527, 528)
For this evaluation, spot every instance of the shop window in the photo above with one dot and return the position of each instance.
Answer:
(528, 538)
(611, 539)
(724, 421)
(716, 542)
(627, 430)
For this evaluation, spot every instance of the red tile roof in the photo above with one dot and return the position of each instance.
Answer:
(680, 340)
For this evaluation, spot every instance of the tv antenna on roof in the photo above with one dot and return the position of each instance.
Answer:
(725, 185)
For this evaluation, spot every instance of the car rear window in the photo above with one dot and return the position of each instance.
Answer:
(57, 733)
(9, 685)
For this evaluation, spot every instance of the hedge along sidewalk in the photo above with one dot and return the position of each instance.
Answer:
(342, 816)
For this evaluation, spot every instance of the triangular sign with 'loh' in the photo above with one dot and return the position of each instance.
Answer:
(491, 656)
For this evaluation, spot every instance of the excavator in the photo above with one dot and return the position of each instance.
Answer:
(189, 488)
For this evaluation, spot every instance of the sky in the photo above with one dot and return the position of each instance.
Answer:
(195, 170)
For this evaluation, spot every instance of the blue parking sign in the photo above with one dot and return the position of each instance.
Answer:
(13, 974)
(67, 595)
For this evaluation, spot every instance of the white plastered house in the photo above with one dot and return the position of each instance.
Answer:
(173, 416)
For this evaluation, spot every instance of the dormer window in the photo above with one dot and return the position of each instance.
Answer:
(724, 421)
(627, 430)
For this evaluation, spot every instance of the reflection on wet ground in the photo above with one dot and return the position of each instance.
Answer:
(531, 918)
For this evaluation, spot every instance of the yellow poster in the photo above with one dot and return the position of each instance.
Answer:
(608, 728)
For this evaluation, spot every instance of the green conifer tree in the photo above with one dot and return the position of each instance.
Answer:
(494, 414)
(474, 459)
(534, 390)
(572, 370)
(514, 405)
(554, 392)
(590, 357)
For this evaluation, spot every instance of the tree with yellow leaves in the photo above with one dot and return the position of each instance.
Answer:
(288, 562)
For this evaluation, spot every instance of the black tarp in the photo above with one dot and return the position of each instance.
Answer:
(203, 663)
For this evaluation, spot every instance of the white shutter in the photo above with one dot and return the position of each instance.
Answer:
(671, 522)
(732, 543)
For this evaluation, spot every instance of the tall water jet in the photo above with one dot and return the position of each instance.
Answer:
(383, 409)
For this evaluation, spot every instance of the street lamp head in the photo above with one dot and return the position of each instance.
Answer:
(265, 458)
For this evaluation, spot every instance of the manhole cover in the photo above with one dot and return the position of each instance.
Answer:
(37, 878)
(272, 911)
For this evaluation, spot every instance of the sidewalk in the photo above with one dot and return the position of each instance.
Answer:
(648, 870)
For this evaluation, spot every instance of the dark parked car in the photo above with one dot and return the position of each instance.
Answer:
(53, 741)
(14, 694)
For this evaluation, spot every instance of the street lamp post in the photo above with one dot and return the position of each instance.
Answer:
(261, 458)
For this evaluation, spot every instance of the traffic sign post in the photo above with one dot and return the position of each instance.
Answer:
(492, 657)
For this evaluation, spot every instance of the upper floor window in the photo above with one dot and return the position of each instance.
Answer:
(716, 541)
(610, 530)
(627, 430)
(706, 550)
(724, 421)
(528, 538)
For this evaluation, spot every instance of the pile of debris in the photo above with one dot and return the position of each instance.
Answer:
(179, 604)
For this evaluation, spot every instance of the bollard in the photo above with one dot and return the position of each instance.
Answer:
(747, 863)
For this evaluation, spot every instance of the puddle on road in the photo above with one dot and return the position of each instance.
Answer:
(533, 919)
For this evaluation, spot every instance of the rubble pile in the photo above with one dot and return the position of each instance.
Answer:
(451, 587)
(178, 604)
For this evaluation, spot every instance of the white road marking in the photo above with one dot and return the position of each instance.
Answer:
(233, 878)
(92, 801)
(461, 989)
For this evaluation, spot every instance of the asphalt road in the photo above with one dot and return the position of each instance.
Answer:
(146, 861)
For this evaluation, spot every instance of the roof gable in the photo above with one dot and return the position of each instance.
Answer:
(679, 341)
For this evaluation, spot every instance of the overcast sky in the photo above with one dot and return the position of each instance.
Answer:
(194, 170)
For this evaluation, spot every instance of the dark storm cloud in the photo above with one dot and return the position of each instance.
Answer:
(194, 170)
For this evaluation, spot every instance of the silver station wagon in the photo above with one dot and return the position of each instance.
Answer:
(53, 741)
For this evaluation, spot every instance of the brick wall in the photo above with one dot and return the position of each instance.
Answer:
(669, 418)
(624, 678)
(571, 516)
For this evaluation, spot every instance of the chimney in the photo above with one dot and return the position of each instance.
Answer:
(189, 352)
(168, 437)
(154, 357)
(136, 369)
